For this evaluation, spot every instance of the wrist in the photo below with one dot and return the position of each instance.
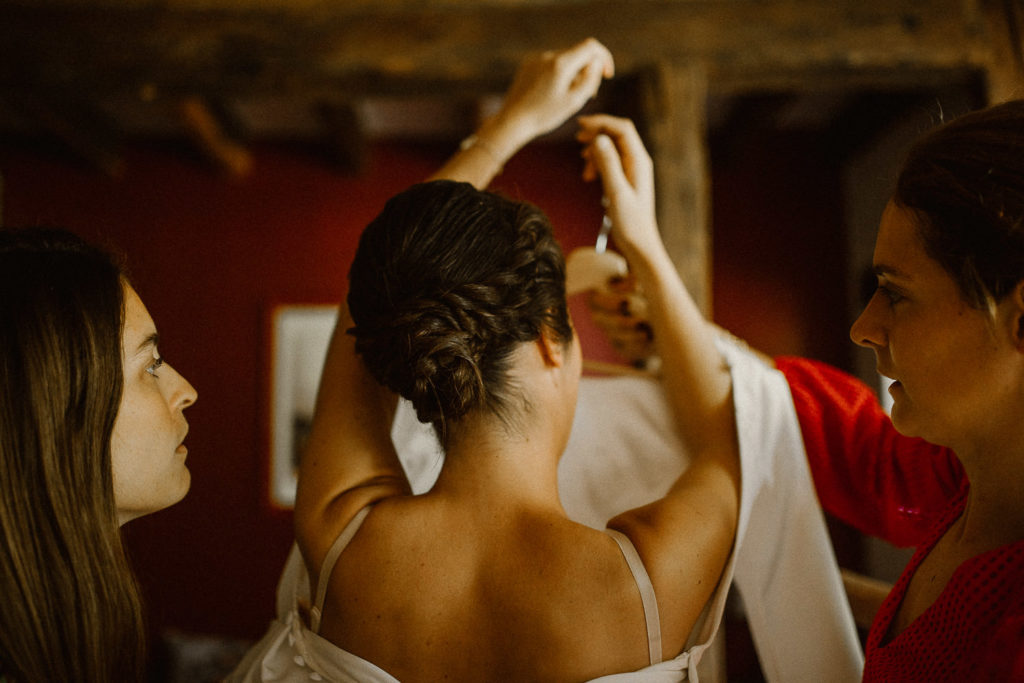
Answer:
(643, 245)
(503, 135)
(474, 141)
(647, 260)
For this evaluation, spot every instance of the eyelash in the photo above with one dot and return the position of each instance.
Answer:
(893, 296)
(155, 366)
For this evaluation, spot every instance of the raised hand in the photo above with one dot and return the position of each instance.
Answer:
(614, 152)
(551, 87)
(547, 90)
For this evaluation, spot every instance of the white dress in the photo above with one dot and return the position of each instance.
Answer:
(292, 651)
(623, 453)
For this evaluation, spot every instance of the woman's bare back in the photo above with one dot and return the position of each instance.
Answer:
(426, 595)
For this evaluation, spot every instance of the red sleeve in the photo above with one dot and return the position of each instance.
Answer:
(866, 473)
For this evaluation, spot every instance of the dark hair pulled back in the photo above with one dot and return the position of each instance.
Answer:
(447, 281)
(965, 183)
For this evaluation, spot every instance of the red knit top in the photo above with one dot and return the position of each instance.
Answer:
(909, 492)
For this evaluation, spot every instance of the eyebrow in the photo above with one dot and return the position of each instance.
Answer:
(883, 270)
(152, 341)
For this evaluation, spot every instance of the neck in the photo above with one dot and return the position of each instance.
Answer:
(994, 514)
(498, 467)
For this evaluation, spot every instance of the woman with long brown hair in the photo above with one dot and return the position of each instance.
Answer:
(91, 432)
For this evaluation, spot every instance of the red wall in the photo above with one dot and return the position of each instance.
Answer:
(209, 256)
(779, 246)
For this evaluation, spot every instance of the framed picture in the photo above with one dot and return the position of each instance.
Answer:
(300, 336)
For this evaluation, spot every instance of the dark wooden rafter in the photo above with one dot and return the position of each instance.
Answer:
(215, 134)
(91, 135)
(360, 48)
(679, 51)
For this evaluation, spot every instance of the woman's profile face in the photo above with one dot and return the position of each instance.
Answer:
(147, 449)
(949, 360)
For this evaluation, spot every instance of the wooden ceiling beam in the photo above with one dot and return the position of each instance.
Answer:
(210, 130)
(363, 49)
(80, 129)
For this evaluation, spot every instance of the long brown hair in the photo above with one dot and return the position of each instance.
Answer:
(70, 609)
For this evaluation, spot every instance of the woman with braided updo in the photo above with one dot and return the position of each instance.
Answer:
(457, 303)
(447, 283)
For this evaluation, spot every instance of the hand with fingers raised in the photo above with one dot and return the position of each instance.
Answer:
(548, 89)
(614, 153)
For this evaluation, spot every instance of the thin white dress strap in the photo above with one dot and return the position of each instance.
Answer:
(340, 543)
(643, 582)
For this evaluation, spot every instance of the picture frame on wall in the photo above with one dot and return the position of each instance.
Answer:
(300, 336)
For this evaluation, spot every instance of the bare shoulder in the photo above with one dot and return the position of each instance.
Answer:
(315, 534)
(547, 601)
(684, 541)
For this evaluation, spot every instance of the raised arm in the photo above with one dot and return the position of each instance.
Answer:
(349, 459)
(695, 376)
(546, 91)
(685, 538)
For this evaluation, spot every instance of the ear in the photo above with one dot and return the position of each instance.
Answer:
(551, 349)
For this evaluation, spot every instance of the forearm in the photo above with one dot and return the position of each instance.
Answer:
(695, 376)
(483, 155)
(696, 379)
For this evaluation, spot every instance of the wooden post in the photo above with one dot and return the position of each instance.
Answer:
(1004, 69)
(674, 102)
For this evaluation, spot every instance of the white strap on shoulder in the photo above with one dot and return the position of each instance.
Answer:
(340, 543)
(647, 596)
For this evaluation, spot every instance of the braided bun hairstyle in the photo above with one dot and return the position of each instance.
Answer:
(447, 281)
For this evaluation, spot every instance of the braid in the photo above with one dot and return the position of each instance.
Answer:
(447, 282)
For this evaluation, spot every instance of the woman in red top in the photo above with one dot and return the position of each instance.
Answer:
(946, 473)
(947, 325)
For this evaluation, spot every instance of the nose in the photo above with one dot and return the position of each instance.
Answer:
(867, 330)
(184, 394)
(191, 395)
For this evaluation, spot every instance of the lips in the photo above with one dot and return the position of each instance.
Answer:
(181, 442)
